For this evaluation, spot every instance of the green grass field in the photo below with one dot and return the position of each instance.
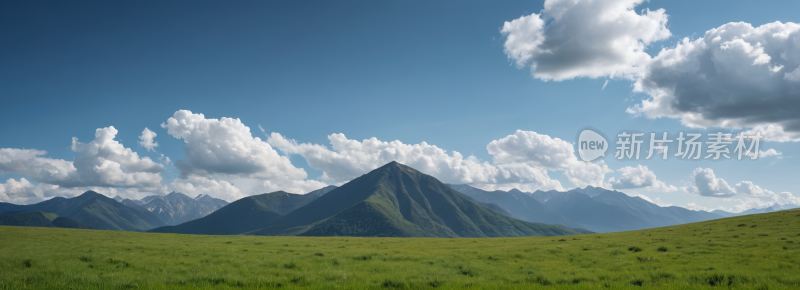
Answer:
(756, 251)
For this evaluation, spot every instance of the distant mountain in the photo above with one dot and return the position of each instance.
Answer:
(776, 207)
(591, 191)
(652, 214)
(95, 211)
(246, 214)
(544, 196)
(595, 215)
(38, 219)
(398, 201)
(593, 208)
(177, 208)
(519, 204)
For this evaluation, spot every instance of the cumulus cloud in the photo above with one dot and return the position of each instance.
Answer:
(749, 194)
(106, 162)
(223, 152)
(520, 161)
(584, 38)
(536, 150)
(639, 177)
(749, 189)
(23, 191)
(707, 184)
(351, 158)
(147, 139)
(226, 147)
(103, 162)
(736, 76)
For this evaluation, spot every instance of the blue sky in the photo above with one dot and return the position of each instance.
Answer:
(410, 71)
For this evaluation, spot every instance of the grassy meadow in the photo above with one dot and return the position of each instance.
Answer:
(756, 251)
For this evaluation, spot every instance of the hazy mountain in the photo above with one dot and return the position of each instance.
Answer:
(520, 205)
(37, 219)
(94, 210)
(176, 208)
(593, 208)
(595, 215)
(246, 214)
(399, 201)
(776, 207)
(591, 191)
(544, 196)
(652, 214)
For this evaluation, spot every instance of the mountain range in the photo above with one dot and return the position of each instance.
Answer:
(176, 208)
(394, 200)
(94, 211)
(593, 208)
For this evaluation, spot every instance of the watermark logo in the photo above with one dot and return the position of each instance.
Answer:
(591, 145)
(633, 145)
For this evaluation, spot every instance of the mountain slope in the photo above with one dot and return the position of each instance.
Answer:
(396, 200)
(95, 211)
(38, 219)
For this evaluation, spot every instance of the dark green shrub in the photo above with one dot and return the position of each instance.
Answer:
(662, 249)
(290, 265)
(635, 249)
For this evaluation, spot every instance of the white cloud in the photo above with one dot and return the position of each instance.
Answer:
(696, 207)
(749, 189)
(707, 184)
(350, 159)
(793, 76)
(768, 153)
(639, 177)
(736, 76)
(103, 162)
(751, 195)
(521, 161)
(147, 139)
(542, 151)
(224, 160)
(584, 38)
(106, 162)
(786, 198)
(733, 77)
(23, 191)
(30, 163)
(226, 147)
